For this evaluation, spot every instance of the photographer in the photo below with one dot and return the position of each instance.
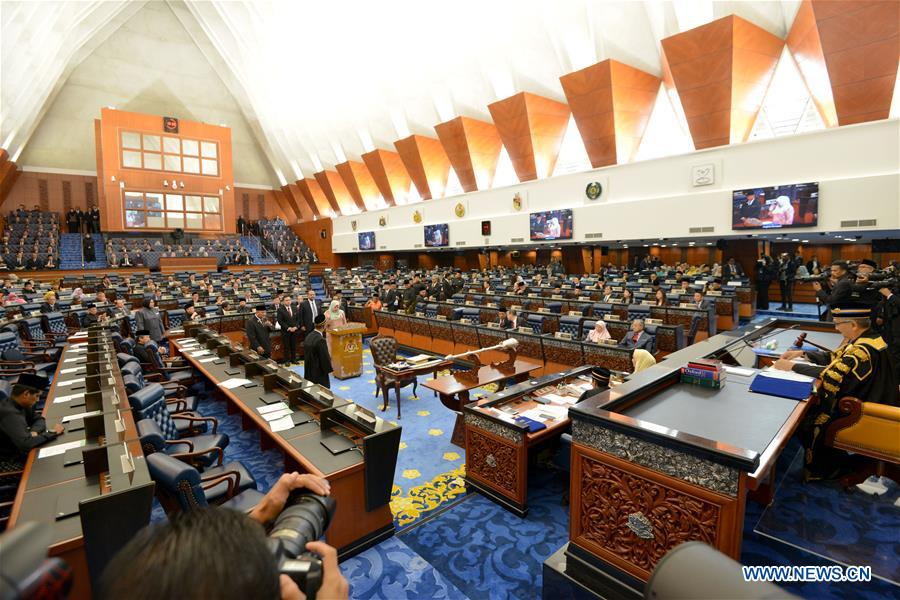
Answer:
(218, 553)
(861, 288)
(839, 288)
(887, 322)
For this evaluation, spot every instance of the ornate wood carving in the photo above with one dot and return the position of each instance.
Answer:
(261, 204)
(67, 196)
(43, 194)
(630, 516)
(493, 461)
(245, 205)
(90, 193)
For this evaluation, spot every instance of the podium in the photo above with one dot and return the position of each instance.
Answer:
(346, 350)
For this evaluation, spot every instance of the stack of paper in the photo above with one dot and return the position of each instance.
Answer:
(230, 384)
(60, 448)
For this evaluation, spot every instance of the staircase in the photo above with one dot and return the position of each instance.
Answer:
(70, 252)
(255, 250)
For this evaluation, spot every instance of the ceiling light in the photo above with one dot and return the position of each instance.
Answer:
(805, 241)
(795, 240)
(709, 243)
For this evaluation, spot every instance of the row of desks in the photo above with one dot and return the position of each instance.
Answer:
(98, 494)
(361, 479)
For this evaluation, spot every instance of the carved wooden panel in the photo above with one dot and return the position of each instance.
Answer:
(245, 205)
(564, 352)
(261, 206)
(666, 340)
(67, 196)
(465, 335)
(494, 462)
(630, 516)
(43, 194)
(441, 330)
(611, 357)
(90, 193)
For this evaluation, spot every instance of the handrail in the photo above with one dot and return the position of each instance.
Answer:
(81, 245)
(261, 248)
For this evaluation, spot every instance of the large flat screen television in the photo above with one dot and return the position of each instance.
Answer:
(794, 205)
(437, 235)
(551, 225)
(367, 240)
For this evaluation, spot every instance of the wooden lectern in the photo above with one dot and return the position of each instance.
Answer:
(346, 350)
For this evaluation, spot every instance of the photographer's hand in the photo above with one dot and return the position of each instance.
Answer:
(334, 586)
(273, 502)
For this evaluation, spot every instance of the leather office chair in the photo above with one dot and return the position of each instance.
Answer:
(174, 318)
(200, 451)
(178, 372)
(384, 352)
(868, 429)
(181, 487)
(149, 403)
(536, 322)
(176, 394)
(571, 325)
(13, 361)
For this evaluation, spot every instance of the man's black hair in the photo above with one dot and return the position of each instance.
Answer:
(206, 553)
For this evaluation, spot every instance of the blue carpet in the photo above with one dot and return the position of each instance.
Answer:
(801, 311)
(866, 533)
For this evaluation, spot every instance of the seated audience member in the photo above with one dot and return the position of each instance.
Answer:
(90, 318)
(21, 426)
(113, 259)
(701, 301)
(510, 320)
(637, 337)
(660, 298)
(17, 263)
(600, 378)
(641, 359)
(175, 560)
(627, 296)
(35, 261)
(141, 349)
(242, 306)
(607, 296)
(599, 333)
(411, 308)
(126, 260)
(191, 313)
(49, 304)
(138, 259)
(374, 302)
(100, 298)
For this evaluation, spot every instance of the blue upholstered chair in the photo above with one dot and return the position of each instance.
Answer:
(149, 403)
(555, 307)
(571, 325)
(175, 317)
(181, 487)
(176, 394)
(431, 310)
(536, 322)
(179, 373)
(202, 451)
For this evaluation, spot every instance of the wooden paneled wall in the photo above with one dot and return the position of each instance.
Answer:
(317, 235)
(253, 204)
(55, 192)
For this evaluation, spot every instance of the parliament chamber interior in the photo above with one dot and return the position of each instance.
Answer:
(494, 300)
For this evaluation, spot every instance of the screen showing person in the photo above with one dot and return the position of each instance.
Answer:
(551, 225)
(437, 235)
(794, 205)
(367, 240)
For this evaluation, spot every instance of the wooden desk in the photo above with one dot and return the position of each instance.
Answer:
(199, 264)
(405, 372)
(453, 389)
(356, 526)
(497, 446)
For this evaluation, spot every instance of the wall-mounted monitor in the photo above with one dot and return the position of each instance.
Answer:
(551, 225)
(437, 235)
(367, 240)
(794, 205)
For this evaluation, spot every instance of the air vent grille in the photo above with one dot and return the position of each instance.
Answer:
(707, 229)
(516, 240)
(868, 222)
(849, 223)
(593, 236)
(382, 247)
(417, 246)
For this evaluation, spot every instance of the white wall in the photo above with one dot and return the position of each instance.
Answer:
(858, 168)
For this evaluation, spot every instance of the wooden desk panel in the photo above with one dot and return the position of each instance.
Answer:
(187, 263)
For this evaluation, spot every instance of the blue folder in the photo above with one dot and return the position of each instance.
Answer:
(784, 388)
(531, 424)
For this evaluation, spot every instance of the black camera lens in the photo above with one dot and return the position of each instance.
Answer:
(304, 519)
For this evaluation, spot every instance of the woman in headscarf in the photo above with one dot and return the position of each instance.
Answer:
(598, 333)
(783, 211)
(147, 317)
(12, 298)
(334, 317)
(77, 293)
(641, 359)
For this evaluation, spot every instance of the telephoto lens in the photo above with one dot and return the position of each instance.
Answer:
(304, 519)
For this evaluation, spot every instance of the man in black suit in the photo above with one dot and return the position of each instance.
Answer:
(90, 318)
(309, 310)
(392, 297)
(637, 337)
(94, 217)
(510, 320)
(258, 329)
(733, 270)
(288, 318)
(600, 377)
(316, 360)
(839, 288)
(749, 209)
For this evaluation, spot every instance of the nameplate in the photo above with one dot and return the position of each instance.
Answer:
(613, 317)
(645, 289)
(566, 287)
(516, 307)
(671, 281)
(714, 293)
(543, 310)
(420, 314)
(686, 305)
(466, 321)
(647, 302)
(491, 305)
(607, 342)
(524, 329)
(649, 321)
(556, 297)
(493, 325)
(441, 317)
(643, 281)
(533, 296)
(562, 335)
(575, 313)
(469, 303)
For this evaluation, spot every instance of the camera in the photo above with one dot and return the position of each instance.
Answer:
(304, 519)
(821, 278)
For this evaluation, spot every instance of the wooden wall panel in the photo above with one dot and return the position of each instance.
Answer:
(254, 204)
(806, 48)
(9, 174)
(611, 103)
(317, 235)
(26, 190)
(473, 148)
(360, 184)
(337, 193)
(532, 128)
(315, 197)
(389, 174)
(112, 122)
(304, 209)
(721, 71)
(427, 164)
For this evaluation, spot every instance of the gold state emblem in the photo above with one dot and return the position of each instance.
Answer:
(417, 217)
(460, 210)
